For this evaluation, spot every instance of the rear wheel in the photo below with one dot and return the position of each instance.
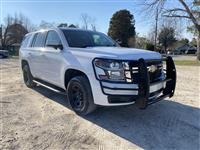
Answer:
(28, 78)
(80, 95)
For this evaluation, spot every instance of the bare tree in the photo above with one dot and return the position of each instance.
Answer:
(85, 20)
(140, 41)
(26, 23)
(93, 24)
(45, 25)
(156, 30)
(88, 21)
(14, 28)
(186, 10)
(151, 36)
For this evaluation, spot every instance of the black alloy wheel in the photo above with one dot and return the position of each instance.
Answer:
(80, 95)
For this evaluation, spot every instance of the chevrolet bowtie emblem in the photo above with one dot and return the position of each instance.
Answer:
(152, 68)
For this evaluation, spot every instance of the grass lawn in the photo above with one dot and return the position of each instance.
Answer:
(187, 62)
(177, 62)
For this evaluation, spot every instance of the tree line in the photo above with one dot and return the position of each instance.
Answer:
(122, 29)
(121, 26)
(17, 26)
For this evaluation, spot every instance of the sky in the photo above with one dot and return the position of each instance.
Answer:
(69, 11)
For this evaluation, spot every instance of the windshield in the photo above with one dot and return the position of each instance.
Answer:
(83, 39)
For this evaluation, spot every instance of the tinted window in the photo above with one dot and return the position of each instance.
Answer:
(53, 38)
(39, 39)
(25, 41)
(77, 38)
(100, 40)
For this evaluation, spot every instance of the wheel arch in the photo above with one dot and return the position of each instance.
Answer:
(70, 73)
(23, 63)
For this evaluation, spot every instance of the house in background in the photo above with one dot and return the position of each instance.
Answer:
(185, 49)
(14, 49)
(13, 37)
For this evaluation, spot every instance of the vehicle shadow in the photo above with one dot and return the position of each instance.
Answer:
(165, 125)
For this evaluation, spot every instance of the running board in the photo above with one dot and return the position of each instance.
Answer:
(50, 86)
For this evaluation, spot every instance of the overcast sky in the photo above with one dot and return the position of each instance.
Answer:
(70, 11)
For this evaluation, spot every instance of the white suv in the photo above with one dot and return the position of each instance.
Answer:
(91, 69)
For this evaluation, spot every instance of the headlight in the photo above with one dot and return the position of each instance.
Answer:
(111, 70)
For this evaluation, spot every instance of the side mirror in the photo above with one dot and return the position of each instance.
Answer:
(55, 46)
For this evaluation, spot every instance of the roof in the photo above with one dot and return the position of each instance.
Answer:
(73, 29)
(186, 47)
(60, 28)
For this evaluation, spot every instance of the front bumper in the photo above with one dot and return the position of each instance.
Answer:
(144, 93)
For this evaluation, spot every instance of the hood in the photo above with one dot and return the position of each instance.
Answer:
(118, 53)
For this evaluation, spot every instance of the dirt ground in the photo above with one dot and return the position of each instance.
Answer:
(41, 119)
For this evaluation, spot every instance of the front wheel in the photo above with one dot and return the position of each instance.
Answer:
(80, 95)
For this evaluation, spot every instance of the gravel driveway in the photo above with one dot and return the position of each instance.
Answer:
(41, 119)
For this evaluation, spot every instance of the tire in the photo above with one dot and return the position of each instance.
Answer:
(28, 78)
(80, 95)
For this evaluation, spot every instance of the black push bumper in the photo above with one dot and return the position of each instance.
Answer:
(144, 83)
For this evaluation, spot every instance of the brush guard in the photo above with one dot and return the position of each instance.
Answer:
(144, 83)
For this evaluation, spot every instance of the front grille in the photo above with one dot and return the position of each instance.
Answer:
(154, 76)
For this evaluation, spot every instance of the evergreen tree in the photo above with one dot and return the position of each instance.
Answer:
(122, 27)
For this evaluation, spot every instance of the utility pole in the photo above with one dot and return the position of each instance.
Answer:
(1, 36)
(156, 30)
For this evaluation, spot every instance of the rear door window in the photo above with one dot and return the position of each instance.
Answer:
(53, 38)
(25, 42)
(39, 39)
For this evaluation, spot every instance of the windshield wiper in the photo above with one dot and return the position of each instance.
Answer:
(108, 45)
(113, 45)
(85, 46)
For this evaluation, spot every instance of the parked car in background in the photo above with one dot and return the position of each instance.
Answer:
(91, 69)
(4, 54)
